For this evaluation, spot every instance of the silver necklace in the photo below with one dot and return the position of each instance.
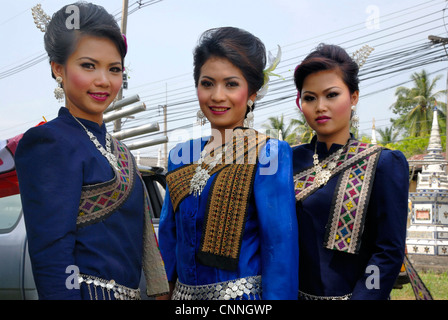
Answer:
(106, 153)
(323, 173)
(202, 173)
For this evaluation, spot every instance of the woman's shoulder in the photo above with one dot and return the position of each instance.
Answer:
(388, 157)
(301, 152)
(392, 163)
(277, 142)
(275, 146)
(54, 135)
(185, 152)
(186, 147)
(300, 147)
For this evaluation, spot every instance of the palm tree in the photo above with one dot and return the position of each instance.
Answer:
(302, 129)
(388, 135)
(415, 105)
(277, 125)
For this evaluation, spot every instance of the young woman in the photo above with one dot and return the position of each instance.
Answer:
(83, 200)
(225, 231)
(351, 197)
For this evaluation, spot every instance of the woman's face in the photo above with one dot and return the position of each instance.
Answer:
(326, 104)
(223, 93)
(91, 77)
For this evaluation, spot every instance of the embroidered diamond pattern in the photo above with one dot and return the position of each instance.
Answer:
(347, 218)
(349, 208)
(349, 205)
(87, 206)
(94, 205)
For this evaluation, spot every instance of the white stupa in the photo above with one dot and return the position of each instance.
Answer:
(428, 230)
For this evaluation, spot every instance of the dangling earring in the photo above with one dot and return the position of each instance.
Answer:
(200, 118)
(354, 119)
(249, 121)
(59, 92)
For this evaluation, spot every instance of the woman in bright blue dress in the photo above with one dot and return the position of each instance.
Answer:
(226, 230)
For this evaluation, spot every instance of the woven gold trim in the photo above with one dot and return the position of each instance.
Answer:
(228, 197)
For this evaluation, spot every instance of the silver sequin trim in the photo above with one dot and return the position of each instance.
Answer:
(227, 290)
(101, 289)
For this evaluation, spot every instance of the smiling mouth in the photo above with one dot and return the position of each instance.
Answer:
(100, 96)
(219, 109)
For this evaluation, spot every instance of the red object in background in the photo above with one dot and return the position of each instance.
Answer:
(9, 184)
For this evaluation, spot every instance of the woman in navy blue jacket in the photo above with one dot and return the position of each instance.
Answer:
(351, 197)
(88, 227)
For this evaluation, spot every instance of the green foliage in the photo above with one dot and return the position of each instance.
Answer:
(413, 145)
(297, 131)
(414, 106)
(437, 284)
(387, 135)
(410, 146)
(277, 125)
(302, 130)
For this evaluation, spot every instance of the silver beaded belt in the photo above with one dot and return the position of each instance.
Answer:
(227, 290)
(307, 296)
(102, 289)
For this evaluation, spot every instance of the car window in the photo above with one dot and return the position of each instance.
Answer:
(161, 189)
(10, 209)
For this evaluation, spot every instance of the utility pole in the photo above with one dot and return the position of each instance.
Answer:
(124, 22)
(444, 41)
(165, 129)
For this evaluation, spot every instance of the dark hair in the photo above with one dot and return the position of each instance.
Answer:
(328, 57)
(60, 41)
(241, 48)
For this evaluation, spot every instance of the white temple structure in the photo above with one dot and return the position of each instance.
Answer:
(428, 229)
(373, 140)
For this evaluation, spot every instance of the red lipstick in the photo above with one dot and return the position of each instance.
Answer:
(99, 96)
(322, 119)
(218, 110)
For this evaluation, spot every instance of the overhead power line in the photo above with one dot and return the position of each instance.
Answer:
(381, 65)
(137, 5)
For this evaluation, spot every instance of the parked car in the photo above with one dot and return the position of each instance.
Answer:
(16, 277)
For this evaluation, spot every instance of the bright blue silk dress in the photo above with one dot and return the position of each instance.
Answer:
(269, 246)
(329, 273)
(54, 161)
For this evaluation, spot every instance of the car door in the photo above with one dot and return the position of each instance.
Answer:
(16, 279)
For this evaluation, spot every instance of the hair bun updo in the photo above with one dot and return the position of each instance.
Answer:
(328, 57)
(61, 41)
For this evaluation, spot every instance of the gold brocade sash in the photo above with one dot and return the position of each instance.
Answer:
(228, 199)
(356, 166)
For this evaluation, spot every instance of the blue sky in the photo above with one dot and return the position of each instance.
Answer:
(161, 38)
